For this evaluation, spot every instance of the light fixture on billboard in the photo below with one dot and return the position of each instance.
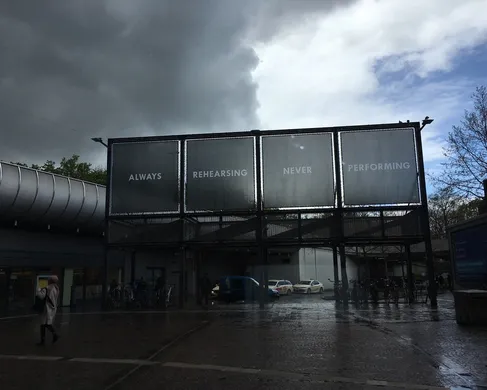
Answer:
(100, 141)
(426, 121)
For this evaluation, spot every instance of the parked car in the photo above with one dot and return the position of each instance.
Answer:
(285, 287)
(241, 288)
(308, 287)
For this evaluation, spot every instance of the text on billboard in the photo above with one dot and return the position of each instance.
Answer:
(296, 170)
(392, 166)
(220, 173)
(145, 176)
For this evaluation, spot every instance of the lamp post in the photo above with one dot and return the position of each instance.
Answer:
(99, 140)
(425, 217)
(426, 121)
(104, 290)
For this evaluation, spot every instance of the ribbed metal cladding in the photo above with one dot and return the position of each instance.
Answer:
(41, 197)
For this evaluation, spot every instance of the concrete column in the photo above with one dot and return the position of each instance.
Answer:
(410, 274)
(67, 284)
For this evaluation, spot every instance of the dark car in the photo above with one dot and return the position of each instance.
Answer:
(241, 288)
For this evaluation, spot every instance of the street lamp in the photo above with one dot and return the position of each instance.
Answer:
(426, 121)
(100, 141)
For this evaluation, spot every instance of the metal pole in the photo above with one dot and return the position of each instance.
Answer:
(261, 224)
(410, 273)
(335, 265)
(339, 217)
(106, 231)
(335, 273)
(181, 278)
(343, 264)
(425, 222)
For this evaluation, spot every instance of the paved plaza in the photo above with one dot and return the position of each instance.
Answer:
(295, 342)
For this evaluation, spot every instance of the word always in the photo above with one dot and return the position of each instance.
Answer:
(145, 176)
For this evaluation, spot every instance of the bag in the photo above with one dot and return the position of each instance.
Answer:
(39, 304)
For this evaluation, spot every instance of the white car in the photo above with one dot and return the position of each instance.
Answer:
(285, 287)
(308, 287)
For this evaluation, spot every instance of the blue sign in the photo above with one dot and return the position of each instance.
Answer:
(470, 256)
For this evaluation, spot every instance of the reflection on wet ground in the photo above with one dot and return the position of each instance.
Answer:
(296, 341)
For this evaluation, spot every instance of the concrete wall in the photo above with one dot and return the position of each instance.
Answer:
(285, 267)
(37, 249)
(418, 270)
(317, 263)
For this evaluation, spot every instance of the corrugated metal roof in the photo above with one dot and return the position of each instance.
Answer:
(43, 197)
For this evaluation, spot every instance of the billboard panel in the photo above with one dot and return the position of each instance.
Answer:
(144, 177)
(220, 174)
(379, 167)
(298, 171)
(470, 256)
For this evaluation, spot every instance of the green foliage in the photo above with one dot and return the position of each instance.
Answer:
(446, 209)
(73, 167)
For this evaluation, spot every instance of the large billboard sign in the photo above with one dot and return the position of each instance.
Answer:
(220, 174)
(298, 171)
(144, 177)
(470, 256)
(379, 167)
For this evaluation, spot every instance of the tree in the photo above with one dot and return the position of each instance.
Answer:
(73, 167)
(466, 152)
(446, 208)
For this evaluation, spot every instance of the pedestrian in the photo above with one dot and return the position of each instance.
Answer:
(49, 295)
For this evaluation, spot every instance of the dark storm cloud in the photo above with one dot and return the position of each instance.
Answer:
(72, 70)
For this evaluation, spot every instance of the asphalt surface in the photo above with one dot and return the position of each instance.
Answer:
(294, 342)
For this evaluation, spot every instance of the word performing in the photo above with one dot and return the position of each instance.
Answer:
(220, 173)
(392, 166)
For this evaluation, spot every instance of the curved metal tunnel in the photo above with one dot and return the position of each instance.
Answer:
(44, 198)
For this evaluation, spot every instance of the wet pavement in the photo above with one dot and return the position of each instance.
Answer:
(296, 341)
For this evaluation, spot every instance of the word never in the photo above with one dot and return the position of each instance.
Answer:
(296, 170)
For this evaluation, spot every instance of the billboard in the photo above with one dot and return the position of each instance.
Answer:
(220, 174)
(298, 171)
(379, 167)
(144, 177)
(470, 256)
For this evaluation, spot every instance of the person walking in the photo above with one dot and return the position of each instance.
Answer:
(49, 295)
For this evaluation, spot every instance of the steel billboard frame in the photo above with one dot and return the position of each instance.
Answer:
(257, 135)
(338, 213)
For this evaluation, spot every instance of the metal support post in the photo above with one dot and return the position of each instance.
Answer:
(261, 223)
(343, 266)
(336, 279)
(132, 268)
(425, 223)
(410, 273)
(182, 287)
(104, 287)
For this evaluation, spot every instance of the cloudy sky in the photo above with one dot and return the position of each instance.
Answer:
(72, 70)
